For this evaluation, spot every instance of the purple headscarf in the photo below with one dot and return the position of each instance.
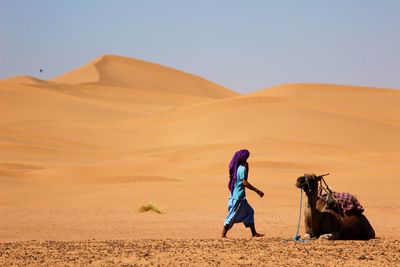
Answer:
(238, 159)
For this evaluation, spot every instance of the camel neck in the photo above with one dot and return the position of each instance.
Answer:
(311, 205)
(312, 199)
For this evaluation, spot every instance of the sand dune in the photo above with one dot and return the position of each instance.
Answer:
(126, 72)
(80, 153)
(321, 118)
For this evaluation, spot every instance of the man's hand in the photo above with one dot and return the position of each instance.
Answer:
(249, 186)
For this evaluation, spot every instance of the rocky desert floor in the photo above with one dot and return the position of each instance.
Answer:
(266, 251)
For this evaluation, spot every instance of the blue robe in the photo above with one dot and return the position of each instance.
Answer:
(239, 210)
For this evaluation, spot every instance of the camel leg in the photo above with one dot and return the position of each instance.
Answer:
(307, 236)
(330, 236)
(308, 232)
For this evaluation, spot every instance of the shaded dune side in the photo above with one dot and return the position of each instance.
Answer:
(132, 73)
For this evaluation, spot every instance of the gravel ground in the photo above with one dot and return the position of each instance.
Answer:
(201, 252)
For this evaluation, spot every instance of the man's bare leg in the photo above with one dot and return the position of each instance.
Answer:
(253, 231)
(224, 231)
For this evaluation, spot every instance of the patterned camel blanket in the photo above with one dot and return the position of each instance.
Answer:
(348, 202)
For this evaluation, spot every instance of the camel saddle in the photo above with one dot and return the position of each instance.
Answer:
(347, 202)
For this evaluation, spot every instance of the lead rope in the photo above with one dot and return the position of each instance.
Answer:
(297, 236)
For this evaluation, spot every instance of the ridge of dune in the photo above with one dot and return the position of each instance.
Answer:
(358, 101)
(312, 96)
(288, 88)
(118, 71)
(86, 74)
(24, 79)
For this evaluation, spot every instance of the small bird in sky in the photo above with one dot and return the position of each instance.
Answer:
(41, 70)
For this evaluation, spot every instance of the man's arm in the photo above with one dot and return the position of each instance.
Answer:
(249, 186)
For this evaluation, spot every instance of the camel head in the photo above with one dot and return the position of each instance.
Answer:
(308, 182)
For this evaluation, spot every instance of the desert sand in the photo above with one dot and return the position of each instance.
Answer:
(81, 153)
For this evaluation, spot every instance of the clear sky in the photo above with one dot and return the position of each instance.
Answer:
(245, 45)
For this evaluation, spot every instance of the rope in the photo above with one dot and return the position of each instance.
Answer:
(297, 236)
(336, 200)
(327, 190)
(330, 193)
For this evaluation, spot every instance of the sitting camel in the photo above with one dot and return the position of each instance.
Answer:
(325, 220)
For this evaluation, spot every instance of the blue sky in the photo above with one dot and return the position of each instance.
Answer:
(244, 45)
